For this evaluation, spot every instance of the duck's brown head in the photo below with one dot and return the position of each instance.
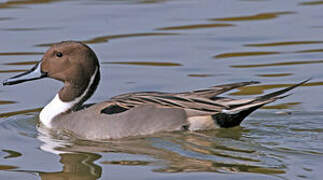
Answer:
(71, 62)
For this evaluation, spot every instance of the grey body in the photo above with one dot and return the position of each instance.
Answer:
(89, 123)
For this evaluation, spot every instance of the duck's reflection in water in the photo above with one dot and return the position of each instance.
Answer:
(76, 166)
(214, 151)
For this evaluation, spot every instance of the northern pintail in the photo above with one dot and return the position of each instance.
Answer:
(132, 114)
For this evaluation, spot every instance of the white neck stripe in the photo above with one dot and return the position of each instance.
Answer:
(57, 106)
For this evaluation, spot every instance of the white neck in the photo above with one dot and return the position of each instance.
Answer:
(57, 106)
(54, 108)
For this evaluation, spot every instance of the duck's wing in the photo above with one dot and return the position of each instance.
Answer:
(197, 101)
(191, 102)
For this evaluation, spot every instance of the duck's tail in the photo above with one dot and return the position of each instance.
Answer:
(239, 109)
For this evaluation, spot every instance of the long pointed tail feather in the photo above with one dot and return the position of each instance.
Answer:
(235, 115)
(280, 92)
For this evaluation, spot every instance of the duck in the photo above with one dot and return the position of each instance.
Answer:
(131, 114)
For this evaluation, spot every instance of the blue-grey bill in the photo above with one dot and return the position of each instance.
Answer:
(33, 74)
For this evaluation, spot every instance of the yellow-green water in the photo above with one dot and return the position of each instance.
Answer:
(169, 45)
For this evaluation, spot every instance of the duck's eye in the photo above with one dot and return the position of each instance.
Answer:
(59, 54)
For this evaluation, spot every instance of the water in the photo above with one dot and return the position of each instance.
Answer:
(169, 45)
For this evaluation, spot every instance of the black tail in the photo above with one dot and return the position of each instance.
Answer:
(235, 115)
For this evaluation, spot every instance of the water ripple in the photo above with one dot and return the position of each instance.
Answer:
(311, 3)
(103, 39)
(278, 64)
(196, 26)
(144, 63)
(256, 17)
(14, 4)
(242, 54)
(283, 43)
